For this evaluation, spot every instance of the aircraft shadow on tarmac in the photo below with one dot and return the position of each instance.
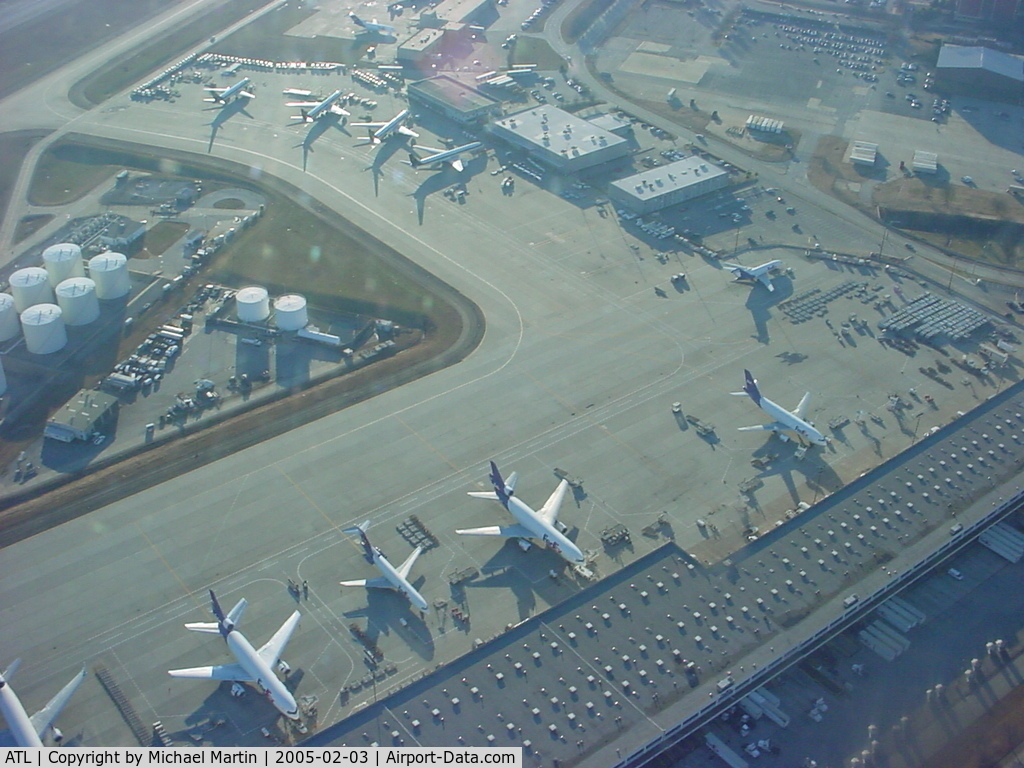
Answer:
(317, 129)
(818, 475)
(385, 612)
(525, 574)
(385, 152)
(761, 301)
(217, 719)
(438, 180)
(226, 113)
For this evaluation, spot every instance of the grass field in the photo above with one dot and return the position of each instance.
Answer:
(291, 250)
(29, 225)
(31, 50)
(13, 149)
(163, 234)
(62, 176)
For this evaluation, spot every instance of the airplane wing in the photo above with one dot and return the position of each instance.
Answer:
(457, 164)
(407, 132)
(220, 672)
(549, 512)
(378, 583)
(302, 103)
(366, 125)
(766, 281)
(508, 531)
(43, 719)
(335, 109)
(775, 426)
(801, 407)
(247, 95)
(274, 647)
(404, 568)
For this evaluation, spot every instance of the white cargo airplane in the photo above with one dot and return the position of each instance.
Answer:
(30, 731)
(393, 578)
(317, 109)
(253, 666)
(224, 95)
(440, 158)
(381, 131)
(539, 525)
(785, 421)
(760, 272)
(374, 26)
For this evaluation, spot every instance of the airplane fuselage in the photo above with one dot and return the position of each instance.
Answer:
(17, 718)
(397, 580)
(434, 161)
(234, 90)
(545, 532)
(388, 127)
(257, 668)
(792, 421)
(320, 109)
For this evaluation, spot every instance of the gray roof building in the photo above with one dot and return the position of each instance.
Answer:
(666, 185)
(560, 139)
(81, 416)
(980, 71)
(456, 101)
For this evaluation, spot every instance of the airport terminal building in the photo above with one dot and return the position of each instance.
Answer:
(560, 139)
(667, 185)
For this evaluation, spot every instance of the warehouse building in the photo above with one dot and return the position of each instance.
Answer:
(458, 12)
(82, 417)
(980, 72)
(560, 139)
(456, 101)
(667, 185)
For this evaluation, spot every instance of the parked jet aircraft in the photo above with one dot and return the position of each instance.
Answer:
(530, 524)
(785, 421)
(760, 272)
(224, 95)
(28, 731)
(317, 109)
(253, 666)
(373, 26)
(440, 158)
(381, 131)
(394, 578)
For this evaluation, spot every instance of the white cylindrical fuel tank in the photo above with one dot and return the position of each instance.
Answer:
(62, 261)
(29, 286)
(44, 329)
(290, 312)
(76, 297)
(253, 304)
(8, 317)
(110, 273)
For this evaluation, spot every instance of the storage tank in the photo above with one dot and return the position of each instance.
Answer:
(62, 261)
(290, 312)
(76, 297)
(8, 317)
(30, 286)
(44, 330)
(110, 273)
(253, 304)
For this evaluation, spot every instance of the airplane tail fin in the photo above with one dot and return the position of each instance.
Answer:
(360, 531)
(7, 674)
(305, 115)
(225, 623)
(414, 160)
(750, 387)
(503, 489)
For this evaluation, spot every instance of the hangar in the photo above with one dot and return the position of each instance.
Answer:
(980, 71)
(560, 139)
(667, 185)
